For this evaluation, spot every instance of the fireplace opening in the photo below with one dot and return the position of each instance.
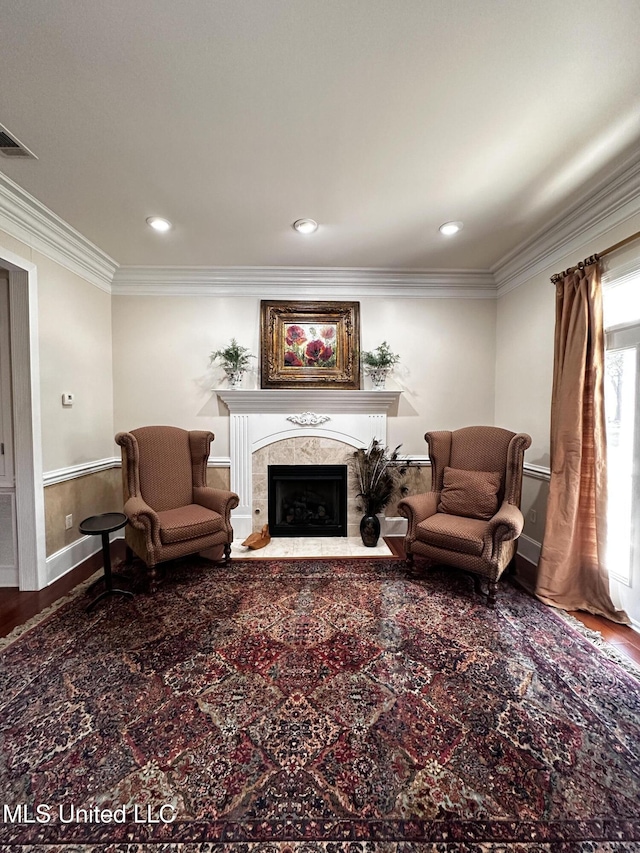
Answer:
(307, 500)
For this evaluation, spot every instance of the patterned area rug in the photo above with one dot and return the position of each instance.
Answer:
(316, 705)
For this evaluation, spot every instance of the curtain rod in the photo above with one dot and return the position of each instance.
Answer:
(593, 258)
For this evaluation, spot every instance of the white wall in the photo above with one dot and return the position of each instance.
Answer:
(74, 323)
(161, 348)
(75, 356)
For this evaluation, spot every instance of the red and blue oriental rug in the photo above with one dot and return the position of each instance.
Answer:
(315, 705)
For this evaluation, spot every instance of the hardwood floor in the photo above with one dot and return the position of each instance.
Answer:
(16, 607)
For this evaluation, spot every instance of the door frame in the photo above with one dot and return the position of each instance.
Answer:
(27, 432)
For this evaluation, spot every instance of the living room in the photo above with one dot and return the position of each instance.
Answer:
(233, 150)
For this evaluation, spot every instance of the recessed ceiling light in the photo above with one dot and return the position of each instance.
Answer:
(305, 226)
(158, 223)
(450, 228)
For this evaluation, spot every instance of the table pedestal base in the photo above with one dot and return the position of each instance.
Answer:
(109, 591)
(103, 525)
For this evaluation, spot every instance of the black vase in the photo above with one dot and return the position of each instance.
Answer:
(370, 530)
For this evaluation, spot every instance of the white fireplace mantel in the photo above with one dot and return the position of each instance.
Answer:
(261, 417)
(294, 400)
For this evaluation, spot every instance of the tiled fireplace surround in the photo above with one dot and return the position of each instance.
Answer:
(298, 427)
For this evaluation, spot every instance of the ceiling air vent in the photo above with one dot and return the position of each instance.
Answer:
(11, 147)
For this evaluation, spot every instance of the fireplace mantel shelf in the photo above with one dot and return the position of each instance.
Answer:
(263, 401)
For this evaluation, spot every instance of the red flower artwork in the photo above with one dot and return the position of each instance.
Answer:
(295, 335)
(328, 333)
(291, 359)
(309, 346)
(314, 350)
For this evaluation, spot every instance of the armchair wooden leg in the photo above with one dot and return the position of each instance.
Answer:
(128, 554)
(491, 598)
(152, 574)
(227, 551)
(408, 559)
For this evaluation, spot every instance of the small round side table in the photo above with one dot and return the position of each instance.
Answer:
(103, 525)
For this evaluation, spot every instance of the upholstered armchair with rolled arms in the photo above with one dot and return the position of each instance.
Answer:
(471, 518)
(172, 512)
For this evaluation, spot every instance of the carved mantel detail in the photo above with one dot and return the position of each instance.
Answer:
(308, 419)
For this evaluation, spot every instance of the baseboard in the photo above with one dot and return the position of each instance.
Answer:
(8, 577)
(72, 555)
(394, 526)
(529, 549)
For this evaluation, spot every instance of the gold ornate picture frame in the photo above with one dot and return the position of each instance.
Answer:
(309, 344)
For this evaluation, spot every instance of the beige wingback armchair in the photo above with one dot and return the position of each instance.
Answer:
(171, 510)
(471, 518)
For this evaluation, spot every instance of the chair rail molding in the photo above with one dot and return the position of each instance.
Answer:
(537, 472)
(72, 472)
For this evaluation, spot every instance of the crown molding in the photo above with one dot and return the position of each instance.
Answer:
(329, 282)
(609, 204)
(613, 201)
(26, 219)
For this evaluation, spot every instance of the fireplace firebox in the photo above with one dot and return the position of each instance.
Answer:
(307, 500)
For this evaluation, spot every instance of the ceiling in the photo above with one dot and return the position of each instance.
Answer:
(381, 119)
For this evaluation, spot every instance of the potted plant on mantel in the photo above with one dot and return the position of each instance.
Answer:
(380, 476)
(378, 363)
(234, 360)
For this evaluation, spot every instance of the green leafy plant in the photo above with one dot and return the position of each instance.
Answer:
(380, 476)
(233, 357)
(381, 356)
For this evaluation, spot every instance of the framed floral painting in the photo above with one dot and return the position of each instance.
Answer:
(310, 344)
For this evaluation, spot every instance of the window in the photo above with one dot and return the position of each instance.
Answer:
(622, 402)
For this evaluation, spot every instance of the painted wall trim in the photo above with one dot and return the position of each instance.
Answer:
(219, 462)
(610, 203)
(28, 220)
(606, 205)
(72, 555)
(8, 577)
(537, 472)
(27, 432)
(529, 549)
(335, 282)
(72, 472)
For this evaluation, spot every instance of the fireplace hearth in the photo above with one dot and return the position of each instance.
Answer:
(307, 500)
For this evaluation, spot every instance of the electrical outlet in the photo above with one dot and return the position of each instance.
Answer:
(68, 522)
(533, 516)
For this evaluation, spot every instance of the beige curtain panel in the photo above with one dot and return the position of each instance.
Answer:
(572, 571)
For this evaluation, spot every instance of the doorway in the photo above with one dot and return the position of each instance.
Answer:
(23, 415)
(8, 528)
